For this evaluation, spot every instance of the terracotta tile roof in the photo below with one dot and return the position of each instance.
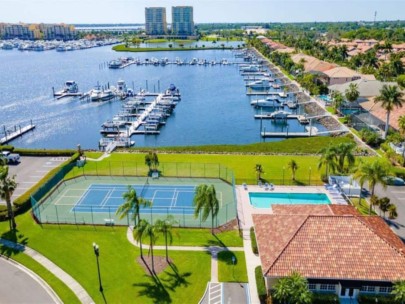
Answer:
(329, 246)
(302, 209)
(341, 72)
(313, 64)
(344, 210)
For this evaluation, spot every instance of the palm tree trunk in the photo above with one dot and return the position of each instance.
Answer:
(387, 124)
(140, 247)
(371, 204)
(11, 218)
(151, 252)
(212, 224)
(167, 252)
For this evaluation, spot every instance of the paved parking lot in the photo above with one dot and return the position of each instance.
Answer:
(397, 196)
(30, 170)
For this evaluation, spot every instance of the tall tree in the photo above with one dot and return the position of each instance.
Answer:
(152, 160)
(7, 188)
(139, 232)
(337, 100)
(165, 227)
(294, 167)
(390, 97)
(150, 231)
(292, 289)
(206, 202)
(259, 171)
(373, 173)
(352, 93)
(384, 205)
(399, 291)
(344, 153)
(392, 212)
(132, 204)
(328, 159)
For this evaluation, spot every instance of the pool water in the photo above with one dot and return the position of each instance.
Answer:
(265, 200)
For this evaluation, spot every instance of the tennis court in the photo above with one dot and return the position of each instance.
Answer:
(94, 200)
(106, 197)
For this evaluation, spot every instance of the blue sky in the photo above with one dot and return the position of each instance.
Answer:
(132, 11)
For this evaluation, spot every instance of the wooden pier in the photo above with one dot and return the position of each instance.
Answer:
(18, 131)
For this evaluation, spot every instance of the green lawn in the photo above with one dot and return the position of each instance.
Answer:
(243, 166)
(64, 293)
(363, 207)
(124, 280)
(202, 238)
(122, 48)
(227, 272)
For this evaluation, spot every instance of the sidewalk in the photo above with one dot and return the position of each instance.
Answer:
(71, 283)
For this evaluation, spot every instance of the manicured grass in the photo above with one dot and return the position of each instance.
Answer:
(330, 109)
(243, 166)
(93, 155)
(156, 41)
(260, 284)
(227, 271)
(202, 238)
(363, 207)
(122, 48)
(70, 247)
(253, 241)
(64, 293)
(294, 146)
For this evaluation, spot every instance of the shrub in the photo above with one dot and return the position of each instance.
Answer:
(261, 286)
(6, 148)
(33, 152)
(253, 241)
(369, 137)
(3, 212)
(324, 298)
(23, 202)
(370, 299)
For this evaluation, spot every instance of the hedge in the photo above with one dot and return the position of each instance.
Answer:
(325, 298)
(253, 241)
(23, 202)
(382, 299)
(6, 148)
(261, 286)
(33, 152)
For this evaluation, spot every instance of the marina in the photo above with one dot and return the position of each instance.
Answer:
(10, 134)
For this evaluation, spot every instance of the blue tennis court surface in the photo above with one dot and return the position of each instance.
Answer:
(107, 198)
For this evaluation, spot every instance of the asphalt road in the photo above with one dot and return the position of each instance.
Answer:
(30, 170)
(17, 285)
(397, 196)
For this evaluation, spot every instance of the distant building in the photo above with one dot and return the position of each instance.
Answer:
(38, 31)
(155, 21)
(182, 21)
(59, 32)
(20, 31)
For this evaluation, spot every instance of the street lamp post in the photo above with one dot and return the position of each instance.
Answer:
(97, 254)
(233, 268)
(283, 174)
(309, 180)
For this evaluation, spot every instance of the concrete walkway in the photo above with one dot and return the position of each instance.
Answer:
(77, 289)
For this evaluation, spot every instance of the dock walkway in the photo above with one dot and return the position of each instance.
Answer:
(9, 136)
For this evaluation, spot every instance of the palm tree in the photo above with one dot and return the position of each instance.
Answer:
(352, 93)
(328, 159)
(165, 227)
(7, 188)
(401, 124)
(373, 173)
(139, 232)
(294, 167)
(392, 212)
(132, 204)
(292, 289)
(399, 291)
(152, 160)
(205, 200)
(150, 231)
(259, 171)
(390, 97)
(384, 204)
(345, 151)
(337, 99)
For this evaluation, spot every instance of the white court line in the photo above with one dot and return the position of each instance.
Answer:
(106, 198)
(82, 198)
(174, 198)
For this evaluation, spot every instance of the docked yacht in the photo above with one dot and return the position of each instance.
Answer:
(280, 114)
(263, 84)
(95, 94)
(271, 101)
(107, 95)
(71, 87)
(115, 64)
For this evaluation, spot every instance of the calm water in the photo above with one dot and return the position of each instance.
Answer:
(214, 108)
(265, 200)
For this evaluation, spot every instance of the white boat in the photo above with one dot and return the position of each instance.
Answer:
(263, 84)
(250, 68)
(7, 46)
(95, 94)
(280, 114)
(283, 95)
(107, 95)
(115, 64)
(71, 87)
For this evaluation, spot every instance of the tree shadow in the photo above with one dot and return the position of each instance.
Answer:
(154, 290)
(176, 279)
(228, 257)
(216, 242)
(16, 244)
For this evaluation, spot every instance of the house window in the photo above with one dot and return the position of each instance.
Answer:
(324, 287)
(385, 289)
(370, 289)
(331, 287)
(312, 286)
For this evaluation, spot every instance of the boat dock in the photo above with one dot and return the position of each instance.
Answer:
(301, 118)
(63, 95)
(9, 135)
(311, 131)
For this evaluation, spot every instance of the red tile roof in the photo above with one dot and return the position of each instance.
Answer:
(308, 209)
(329, 246)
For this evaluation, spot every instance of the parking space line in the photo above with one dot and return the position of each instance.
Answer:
(403, 192)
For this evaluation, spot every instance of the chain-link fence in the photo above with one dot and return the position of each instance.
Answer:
(57, 200)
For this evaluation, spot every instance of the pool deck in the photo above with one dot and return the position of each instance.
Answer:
(245, 209)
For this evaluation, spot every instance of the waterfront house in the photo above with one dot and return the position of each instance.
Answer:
(335, 248)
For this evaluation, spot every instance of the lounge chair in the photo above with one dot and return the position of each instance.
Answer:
(266, 186)
(244, 186)
(271, 187)
(260, 184)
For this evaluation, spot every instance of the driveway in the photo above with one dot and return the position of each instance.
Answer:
(397, 196)
(19, 285)
(30, 170)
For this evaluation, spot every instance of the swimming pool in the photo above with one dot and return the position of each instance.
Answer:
(265, 200)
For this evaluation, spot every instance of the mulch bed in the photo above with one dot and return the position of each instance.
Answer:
(160, 263)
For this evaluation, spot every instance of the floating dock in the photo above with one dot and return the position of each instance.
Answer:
(63, 95)
(311, 131)
(18, 131)
(301, 118)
